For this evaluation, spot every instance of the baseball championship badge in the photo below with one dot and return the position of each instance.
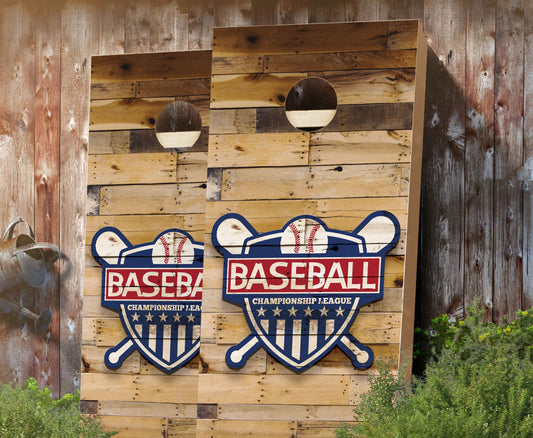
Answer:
(301, 287)
(157, 289)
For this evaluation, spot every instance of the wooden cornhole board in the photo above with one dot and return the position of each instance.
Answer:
(141, 189)
(263, 169)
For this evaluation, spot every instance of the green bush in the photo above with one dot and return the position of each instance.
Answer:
(31, 413)
(480, 384)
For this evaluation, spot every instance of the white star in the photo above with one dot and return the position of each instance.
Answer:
(308, 311)
(135, 317)
(277, 311)
(292, 311)
(339, 311)
(191, 317)
(149, 317)
(177, 317)
(163, 317)
(261, 311)
(324, 311)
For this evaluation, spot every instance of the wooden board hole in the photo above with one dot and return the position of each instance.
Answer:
(178, 125)
(311, 104)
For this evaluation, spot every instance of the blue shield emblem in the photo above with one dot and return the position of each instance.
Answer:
(157, 289)
(301, 287)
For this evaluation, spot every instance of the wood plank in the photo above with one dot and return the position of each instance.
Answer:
(77, 19)
(402, 35)
(442, 205)
(112, 29)
(319, 429)
(314, 183)
(189, 369)
(47, 165)
(132, 168)
(146, 409)
(88, 331)
(371, 117)
(233, 121)
(241, 428)
(134, 427)
(109, 142)
(113, 90)
(168, 25)
(178, 428)
(145, 140)
(137, 27)
(333, 11)
(152, 199)
(360, 147)
(264, 390)
(280, 412)
(337, 61)
(243, 64)
(508, 158)
(173, 87)
(527, 289)
(372, 86)
(251, 90)
(233, 13)
(292, 12)
(310, 39)
(154, 66)
(249, 150)
(143, 388)
(479, 158)
(201, 21)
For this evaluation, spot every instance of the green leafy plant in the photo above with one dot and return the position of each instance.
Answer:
(479, 384)
(29, 412)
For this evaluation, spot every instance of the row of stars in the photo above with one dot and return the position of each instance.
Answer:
(307, 312)
(163, 317)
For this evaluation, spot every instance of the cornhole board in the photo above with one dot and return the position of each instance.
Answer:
(280, 349)
(138, 194)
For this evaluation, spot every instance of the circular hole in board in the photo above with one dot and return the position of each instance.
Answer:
(311, 104)
(178, 125)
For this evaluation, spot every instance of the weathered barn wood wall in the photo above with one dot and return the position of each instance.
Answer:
(476, 213)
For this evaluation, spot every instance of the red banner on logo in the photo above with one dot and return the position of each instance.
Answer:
(303, 275)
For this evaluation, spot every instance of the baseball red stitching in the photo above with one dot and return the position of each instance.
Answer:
(311, 238)
(165, 245)
(296, 237)
(178, 251)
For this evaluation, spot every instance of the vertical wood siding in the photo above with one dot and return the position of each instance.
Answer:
(476, 214)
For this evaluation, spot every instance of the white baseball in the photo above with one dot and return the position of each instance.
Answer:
(304, 236)
(173, 248)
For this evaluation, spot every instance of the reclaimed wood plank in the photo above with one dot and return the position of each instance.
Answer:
(233, 13)
(332, 11)
(179, 428)
(111, 27)
(77, 19)
(47, 165)
(169, 21)
(371, 117)
(322, 37)
(212, 360)
(151, 66)
(137, 387)
(252, 90)
(527, 289)
(479, 158)
(442, 223)
(402, 35)
(173, 87)
(259, 150)
(240, 428)
(146, 409)
(508, 159)
(113, 90)
(372, 86)
(360, 147)
(132, 168)
(201, 21)
(316, 182)
(109, 142)
(289, 389)
(152, 199)
(233, 121)
(92, 360)
(292, 12)
(319, 429)
(134, 427)
(280, 412)
(338, 61)
(137, 27)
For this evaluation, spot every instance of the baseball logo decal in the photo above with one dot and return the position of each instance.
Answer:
(156, 288)
(301, 287)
